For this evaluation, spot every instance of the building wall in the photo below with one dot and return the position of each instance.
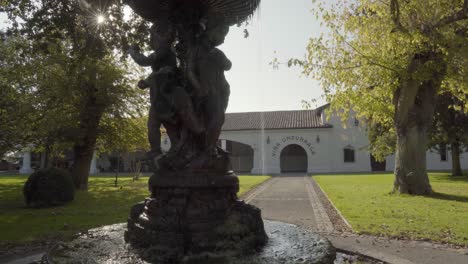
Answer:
(324, 147)
(433, 161)
(324, 155)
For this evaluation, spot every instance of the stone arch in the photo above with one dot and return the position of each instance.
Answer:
(306, 145)
(250, 139)
(294, 158)
(241, 155)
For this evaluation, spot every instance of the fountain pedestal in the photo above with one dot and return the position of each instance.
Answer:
(192, 217)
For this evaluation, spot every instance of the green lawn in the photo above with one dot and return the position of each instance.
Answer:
(366, 202)
(103, 204)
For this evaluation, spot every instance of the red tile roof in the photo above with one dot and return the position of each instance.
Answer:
(274, 120)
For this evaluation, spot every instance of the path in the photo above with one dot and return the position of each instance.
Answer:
(293, 199)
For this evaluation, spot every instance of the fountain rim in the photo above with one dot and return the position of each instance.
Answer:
(231, 11)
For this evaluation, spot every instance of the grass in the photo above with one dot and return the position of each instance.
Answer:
(103, 204)
(365, 201)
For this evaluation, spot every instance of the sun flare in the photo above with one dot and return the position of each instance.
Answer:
(100, 19)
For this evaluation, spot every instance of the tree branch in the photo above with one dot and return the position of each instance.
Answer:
(369, 59)
(458, 16)
(395, 12)
(366, 57)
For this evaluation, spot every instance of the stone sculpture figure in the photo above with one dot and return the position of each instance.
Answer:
(160, 58)
(206, 70)
(170, 103)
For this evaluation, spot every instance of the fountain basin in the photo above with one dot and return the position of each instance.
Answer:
(287, 244)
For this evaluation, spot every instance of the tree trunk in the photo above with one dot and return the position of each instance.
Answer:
(414, 103)
(85, 145)
(91, 112)
(456, 167)
(45, 158)
(81, 165)
(410, 162)
(118, 170)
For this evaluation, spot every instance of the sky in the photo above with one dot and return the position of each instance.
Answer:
(280, 29)
(283, 27)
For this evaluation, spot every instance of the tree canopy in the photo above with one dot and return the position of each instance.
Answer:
(81, 80)
(387, 61)
(15, 103)
(370, 43)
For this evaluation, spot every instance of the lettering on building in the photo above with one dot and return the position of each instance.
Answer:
(304, 142)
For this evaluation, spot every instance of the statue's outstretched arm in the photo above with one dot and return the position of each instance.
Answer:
(139, 58)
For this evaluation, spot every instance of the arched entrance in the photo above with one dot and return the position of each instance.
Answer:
(241, 156)
(293, 159)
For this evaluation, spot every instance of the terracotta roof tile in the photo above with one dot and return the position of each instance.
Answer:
(274, 120)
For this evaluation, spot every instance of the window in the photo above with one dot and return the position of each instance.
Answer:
(348, 154)
(443, 152)
(356, 122)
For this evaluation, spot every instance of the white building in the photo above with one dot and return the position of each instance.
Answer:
(289, 141)
(306, 141)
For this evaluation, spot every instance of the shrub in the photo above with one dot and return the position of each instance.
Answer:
(49, 187)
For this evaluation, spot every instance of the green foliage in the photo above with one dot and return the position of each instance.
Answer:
(15, 103)
(78, 21)
(63, 67)
(450, 123)
(369, 46)
(49, 187)
(382, 138)
(102, 204)
(364, 201)
(42, 105)
(123, 135)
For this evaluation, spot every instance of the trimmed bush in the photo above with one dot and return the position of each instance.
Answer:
(49, 187)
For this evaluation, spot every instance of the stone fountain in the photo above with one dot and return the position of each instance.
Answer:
(193, 214)
(193, 210)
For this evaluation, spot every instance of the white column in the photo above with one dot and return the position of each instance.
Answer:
(26, 167)
(223, 144)
(258, 167)
(93, 168)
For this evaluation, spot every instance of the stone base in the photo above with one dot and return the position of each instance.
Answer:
(287, 244)
(191, 217)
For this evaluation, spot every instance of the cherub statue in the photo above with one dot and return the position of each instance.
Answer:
(206, 67)
(171, 105)
(161, 41)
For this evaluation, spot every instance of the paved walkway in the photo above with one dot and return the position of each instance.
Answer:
(293, 199)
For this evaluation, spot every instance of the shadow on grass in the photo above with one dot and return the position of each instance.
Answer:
(448, 197)
(370, 173)
(448, 178)
(463, 178)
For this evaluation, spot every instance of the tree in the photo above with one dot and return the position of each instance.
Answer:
(14, 99)
(388, 60)
(95, 78)
(450, 127)
(123, 135)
